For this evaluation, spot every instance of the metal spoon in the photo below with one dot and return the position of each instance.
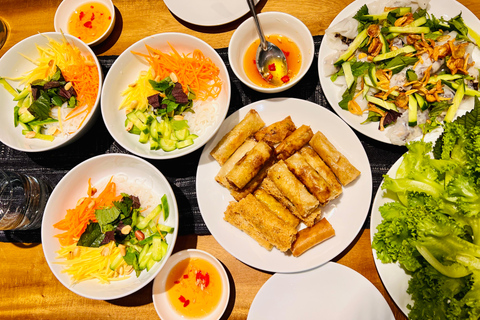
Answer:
(270, 60)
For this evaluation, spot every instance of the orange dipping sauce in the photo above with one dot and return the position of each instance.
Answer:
(194, 287)
(289, 48)
(89, 21)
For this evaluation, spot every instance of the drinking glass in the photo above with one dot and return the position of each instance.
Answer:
(3, 32)
(22, 201)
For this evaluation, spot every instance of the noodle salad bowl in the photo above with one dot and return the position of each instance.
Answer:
(131, 175)
(71, 123)
(127, 87)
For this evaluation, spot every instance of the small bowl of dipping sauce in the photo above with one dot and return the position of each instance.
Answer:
(283, 30)
(91, 21)
(193, 284)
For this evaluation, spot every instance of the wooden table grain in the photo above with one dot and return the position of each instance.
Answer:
(29, 289)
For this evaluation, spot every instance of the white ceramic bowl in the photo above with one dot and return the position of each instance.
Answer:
(12, 65)
(72, 187)
(126, 70)
(272, 23)
(66, 9)
(160, 298)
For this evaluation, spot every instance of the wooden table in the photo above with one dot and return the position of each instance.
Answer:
(30, 290)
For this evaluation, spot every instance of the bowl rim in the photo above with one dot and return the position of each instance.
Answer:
(91, 116)
(173, 206)
(308, 55)
(75, 4)
(221, 116)
(180, 256)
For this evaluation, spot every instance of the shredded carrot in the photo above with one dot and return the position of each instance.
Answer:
(76, 68)
(194, 70)
(77, 219)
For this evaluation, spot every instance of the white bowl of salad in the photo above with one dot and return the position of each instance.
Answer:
(166, 96)
(50, 88)
(109, 226)
(397, 70)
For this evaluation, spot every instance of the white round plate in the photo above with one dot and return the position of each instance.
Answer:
(160, 298)
(347, 213)
(13, 65)
(72, 187)
(440, 8)
(126, 69)
(394, 278)
(332, 292)
(208, 13)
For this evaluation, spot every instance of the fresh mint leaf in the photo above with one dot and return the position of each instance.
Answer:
(348, 95)
(398, 63)
(92, 236)
(106, 217)
(40, 108)
(363, 11)
(162, 85)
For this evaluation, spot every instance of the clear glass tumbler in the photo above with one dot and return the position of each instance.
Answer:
(22, 201)
(3, 32)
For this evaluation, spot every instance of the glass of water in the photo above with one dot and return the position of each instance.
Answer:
(3, 32)
(22, 201)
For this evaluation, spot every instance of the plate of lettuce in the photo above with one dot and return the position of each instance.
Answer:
(426, 224)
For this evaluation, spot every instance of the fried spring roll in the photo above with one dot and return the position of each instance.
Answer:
(276, 132)
(292, 188)
(341, 167)
(276, 207)
(272, 189)
(242, 224)
(309, 177)
(314, 160)
(309, 237)
(249, 165)
(234, 139)
(265, 222)
(228, 165)
(294, 142)
(239, 194)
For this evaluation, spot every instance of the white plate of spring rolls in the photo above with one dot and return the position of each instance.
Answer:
(343, 24)
(333, 292)
(346, 213)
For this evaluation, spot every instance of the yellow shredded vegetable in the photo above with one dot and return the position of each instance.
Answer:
(92, 263)
(138, 91)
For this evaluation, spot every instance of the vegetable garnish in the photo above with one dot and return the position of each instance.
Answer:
(108, 236)
(77, 219)
(194, 70)
(414, 67)
(433, 228)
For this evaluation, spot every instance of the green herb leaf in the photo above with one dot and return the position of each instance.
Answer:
(107, 216)
(92, 236)
(398, 63)
(40, 108)
(348, 95)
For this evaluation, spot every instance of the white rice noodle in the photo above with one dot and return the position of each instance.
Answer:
(378, 7)
(65, 127)
(134, 187)
(205, 116)
(399, 79)
(346, 28)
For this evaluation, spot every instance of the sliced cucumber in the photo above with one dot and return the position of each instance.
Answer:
(26, 117)
(15, 116)
(351, 49)
(384, 42)
(162, 227)
(144, 137)
(182, 134)
(444, 77)
(184, 143)
(382, 16)
(392, 54)
(192, 136)
(137, 122)
(422, 104)
(382, 103)
(412, 111)
(168, 144)
(347, 70)
(151, 216)
(452, 110)
(116, 262)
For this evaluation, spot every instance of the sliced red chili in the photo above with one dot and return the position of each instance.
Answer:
(272, 67)
(93, 17)
(91, 7)
(185, 276)
(186, 303)
(109, 17)
(182, 299)
(82, 14)
(254, 61)
(270, 77)
(207, 279)
(286, 53)
(88, 24)
(285, 79)
(176, 282)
